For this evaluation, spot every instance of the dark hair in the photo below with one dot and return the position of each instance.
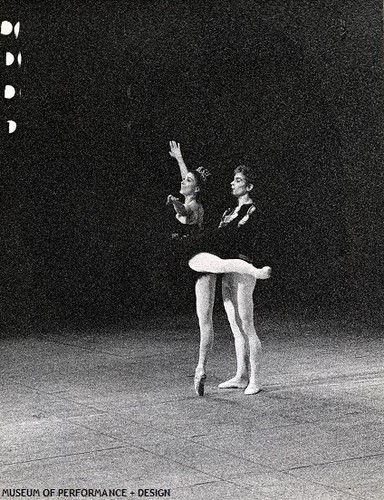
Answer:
(201, 175)
(248, 172)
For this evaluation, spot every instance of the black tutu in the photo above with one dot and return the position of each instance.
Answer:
(186, 242)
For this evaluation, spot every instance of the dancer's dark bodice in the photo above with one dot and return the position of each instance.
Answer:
(239, 236)
(236, 234)
(181, 231)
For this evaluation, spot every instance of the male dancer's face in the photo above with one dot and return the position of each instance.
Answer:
(239, 185)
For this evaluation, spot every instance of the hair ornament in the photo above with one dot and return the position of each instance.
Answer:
(204, 173)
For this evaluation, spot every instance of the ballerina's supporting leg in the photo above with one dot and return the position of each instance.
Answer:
(205, 298)
(209, 263)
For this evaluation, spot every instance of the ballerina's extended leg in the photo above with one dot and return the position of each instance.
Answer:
(208, 263)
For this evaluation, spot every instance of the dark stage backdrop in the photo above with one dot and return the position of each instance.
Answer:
(293, 88)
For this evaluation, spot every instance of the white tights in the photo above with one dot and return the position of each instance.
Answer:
(209, 263)
(238, 302)
(205, 298)
(237, 292)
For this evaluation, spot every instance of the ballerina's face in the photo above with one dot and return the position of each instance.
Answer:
(189, 185)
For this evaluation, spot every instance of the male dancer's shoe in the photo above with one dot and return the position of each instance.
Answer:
(234, 383)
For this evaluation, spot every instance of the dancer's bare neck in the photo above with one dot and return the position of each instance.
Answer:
(189, 199)
(244, 200)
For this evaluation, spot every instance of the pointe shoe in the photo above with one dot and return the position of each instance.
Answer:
(200, 378)
(264, 273)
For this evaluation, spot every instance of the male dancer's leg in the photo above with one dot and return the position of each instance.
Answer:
(245, 306)
(229, 292)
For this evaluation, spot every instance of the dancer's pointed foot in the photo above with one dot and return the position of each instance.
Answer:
(252, 389)
(264, 273)
(234, 383)
(200, 378)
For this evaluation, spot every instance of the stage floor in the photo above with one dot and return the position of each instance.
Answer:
(114, 407)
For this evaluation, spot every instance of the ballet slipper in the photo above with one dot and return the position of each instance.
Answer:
(252, 389)
(200, 378)
(234, 383)
(264, 273)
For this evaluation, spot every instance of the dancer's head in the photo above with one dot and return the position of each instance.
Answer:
(243, 181)
(194, 182)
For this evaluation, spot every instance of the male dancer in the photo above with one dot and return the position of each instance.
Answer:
(238, 234)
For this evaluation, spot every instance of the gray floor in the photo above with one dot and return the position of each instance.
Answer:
(114, 407)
